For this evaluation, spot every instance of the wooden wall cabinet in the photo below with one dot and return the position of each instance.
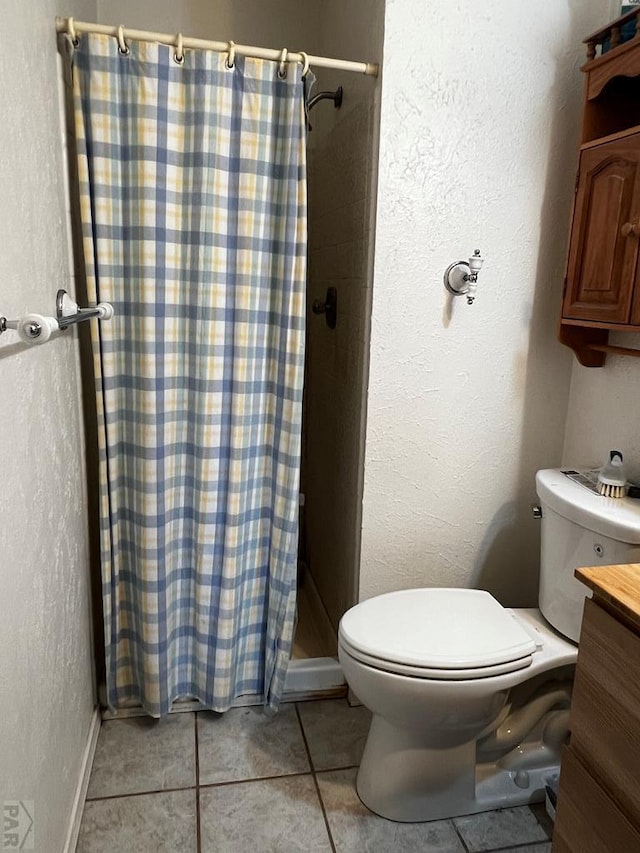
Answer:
(602, 282)
(599, 797)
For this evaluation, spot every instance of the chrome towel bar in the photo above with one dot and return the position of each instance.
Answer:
(37, 328)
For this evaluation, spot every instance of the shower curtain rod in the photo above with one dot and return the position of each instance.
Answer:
(74, 28)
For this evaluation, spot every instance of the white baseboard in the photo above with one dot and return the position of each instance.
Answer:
(83, 783)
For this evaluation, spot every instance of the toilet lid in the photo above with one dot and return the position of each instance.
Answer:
(452, 629)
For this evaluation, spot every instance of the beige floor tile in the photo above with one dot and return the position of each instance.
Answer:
(244, 743)
(357, 830)
(335, 732)
(502, 828)
(269, 816)
(141, 754)
(149, 823)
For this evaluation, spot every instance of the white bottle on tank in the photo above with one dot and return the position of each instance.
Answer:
(579, 528)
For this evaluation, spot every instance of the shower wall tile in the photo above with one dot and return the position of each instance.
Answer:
(352, 258)
(325, 262)
(142, 754)
(353, 299)
(340, 217)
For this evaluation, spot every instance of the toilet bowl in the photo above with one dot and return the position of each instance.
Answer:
(420, 760)
(469, 699)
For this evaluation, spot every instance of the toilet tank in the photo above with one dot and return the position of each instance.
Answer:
(579, 528)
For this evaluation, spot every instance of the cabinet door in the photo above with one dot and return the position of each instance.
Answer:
(587, 819)
(605, 707)
(604, 238)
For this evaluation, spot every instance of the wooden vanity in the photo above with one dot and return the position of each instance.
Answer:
(599, 798)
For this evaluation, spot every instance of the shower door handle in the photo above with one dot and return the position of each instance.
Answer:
(329, 307)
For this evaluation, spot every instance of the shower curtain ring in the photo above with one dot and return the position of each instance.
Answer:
(123, 47)
(231, 59)
(305, 63)
(282, 68)
(178, 56)
(71, 30)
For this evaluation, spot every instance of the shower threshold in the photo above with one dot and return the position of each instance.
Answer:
(307, 678)
(313, 678)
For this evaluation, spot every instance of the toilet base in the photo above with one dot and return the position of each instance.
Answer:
(442, 748)
(419, 784)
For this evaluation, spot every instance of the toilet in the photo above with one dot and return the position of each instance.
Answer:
(469, 699)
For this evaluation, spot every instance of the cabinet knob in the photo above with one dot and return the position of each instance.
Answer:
(630, 228)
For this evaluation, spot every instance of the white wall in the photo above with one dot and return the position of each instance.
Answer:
(604, 411)
(46, 693)
(480, 109)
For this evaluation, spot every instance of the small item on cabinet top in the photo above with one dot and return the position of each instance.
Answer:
(628, 29)
(612, 480)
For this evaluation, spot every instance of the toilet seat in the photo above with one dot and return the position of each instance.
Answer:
(433, 673)
(448, 634)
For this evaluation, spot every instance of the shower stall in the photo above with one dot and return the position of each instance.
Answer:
(341, 168)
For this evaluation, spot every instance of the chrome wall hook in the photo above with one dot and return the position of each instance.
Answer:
(461, 277)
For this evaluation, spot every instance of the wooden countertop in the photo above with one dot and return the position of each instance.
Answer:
(617, 586)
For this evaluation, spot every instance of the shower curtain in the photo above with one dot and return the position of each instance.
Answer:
(193, 207)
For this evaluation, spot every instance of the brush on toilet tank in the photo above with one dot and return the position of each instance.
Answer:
(612, 480)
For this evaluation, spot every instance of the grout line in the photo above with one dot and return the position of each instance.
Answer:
(324, 813)
(520, 845)
(462, 841)
(337, 769)
(544, 821)
(141, 793)
(315, 782)
(304, 739)
(254, 779)
(322, 698)
(198, 823)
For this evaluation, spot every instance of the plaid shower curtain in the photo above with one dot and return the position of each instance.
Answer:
(193, 207)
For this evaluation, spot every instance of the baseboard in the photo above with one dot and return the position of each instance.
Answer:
(83, 783)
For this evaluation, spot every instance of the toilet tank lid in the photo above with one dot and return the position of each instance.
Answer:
(438, 628)
(616, 518)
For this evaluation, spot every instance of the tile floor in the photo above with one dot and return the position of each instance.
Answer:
(211, 783)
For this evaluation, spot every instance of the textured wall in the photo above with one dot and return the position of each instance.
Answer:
(276, 23)
(480, 107)
(604, 411)
(46, 694)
